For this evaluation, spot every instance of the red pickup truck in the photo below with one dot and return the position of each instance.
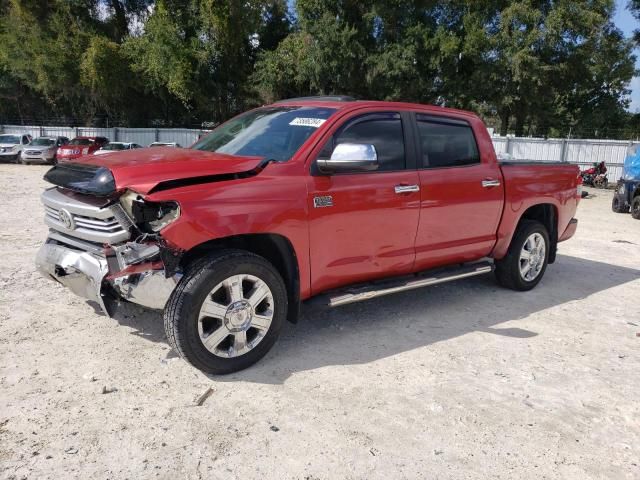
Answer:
(80, 146)
(324, 198)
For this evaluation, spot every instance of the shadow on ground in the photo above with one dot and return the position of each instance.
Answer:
(368, 331)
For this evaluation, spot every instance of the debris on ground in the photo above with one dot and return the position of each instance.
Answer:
(203, 398)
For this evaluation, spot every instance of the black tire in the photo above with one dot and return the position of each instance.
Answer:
(182, 310)
(508, 268)
(618, 205)
(635, 207)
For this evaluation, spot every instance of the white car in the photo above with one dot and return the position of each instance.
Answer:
(165, 144)
(11, 146)
(116, 147)
(42, 149)
(505, 157)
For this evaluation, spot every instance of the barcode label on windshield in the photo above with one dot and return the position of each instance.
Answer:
(307, 122)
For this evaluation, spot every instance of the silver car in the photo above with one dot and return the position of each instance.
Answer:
(11, 145)
(116, 147)
(42, 149)
(165, 144)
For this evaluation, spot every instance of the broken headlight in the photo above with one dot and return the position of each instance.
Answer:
(150, 217)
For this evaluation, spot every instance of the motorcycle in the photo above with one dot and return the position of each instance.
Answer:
(595, 176)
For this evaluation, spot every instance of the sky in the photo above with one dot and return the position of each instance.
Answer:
(625, 22)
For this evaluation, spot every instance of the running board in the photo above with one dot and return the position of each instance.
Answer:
(368, 291)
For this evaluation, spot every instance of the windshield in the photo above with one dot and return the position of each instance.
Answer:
(9, 139)
(42, 142)
(272, 132)
(80, 141)
(114, 146)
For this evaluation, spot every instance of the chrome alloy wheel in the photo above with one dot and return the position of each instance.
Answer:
(532, 257)
(235, 316)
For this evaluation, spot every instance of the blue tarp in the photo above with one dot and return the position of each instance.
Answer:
(632, 164)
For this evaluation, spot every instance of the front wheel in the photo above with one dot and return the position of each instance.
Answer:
(526, 261)
(635, 207)
(618, 205)
(227, 311)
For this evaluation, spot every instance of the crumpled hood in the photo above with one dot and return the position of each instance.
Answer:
(144, 170)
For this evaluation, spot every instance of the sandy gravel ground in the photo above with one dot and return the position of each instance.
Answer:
(464, 380)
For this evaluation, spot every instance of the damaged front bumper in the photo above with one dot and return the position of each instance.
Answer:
(108, 275)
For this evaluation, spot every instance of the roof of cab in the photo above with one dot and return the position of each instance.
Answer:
(343, 102)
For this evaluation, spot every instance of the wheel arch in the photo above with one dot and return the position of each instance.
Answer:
(547, 214)
(276, 248)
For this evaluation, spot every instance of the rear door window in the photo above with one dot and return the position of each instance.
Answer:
(446, 142)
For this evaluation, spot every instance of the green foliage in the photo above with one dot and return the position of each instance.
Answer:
(530, 66)
(163, 56)
(634, 7)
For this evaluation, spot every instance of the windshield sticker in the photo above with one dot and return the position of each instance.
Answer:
(307, 122)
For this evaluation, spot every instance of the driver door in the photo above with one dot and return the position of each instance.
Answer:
(363, 224)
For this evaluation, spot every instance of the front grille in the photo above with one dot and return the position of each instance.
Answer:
(88, 219)
(33, 152)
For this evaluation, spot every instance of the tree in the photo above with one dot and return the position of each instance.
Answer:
(529, 66)
(634, 7)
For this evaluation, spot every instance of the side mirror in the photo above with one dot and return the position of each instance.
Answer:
(350, 157)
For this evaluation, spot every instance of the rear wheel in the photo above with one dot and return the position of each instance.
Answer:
(526, 261)
(601, 182)
(227, 312)
(635, 207)
(618, 205)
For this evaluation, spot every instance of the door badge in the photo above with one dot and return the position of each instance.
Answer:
(320, 202)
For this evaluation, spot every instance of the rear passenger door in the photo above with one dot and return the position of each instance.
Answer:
(363, 224)
(461, 193)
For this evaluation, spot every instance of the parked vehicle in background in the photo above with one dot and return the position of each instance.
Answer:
(333, 199)
(595, 176)
(506, 157)
(627, 198)
(165, 144)
(42, 149)
(116, 147)
(12, 145)
(80, 146)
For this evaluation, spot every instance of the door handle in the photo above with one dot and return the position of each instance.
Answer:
(489, 183)
(407, 188)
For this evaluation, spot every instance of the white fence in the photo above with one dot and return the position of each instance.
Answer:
(580, 152)
(141, 136)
